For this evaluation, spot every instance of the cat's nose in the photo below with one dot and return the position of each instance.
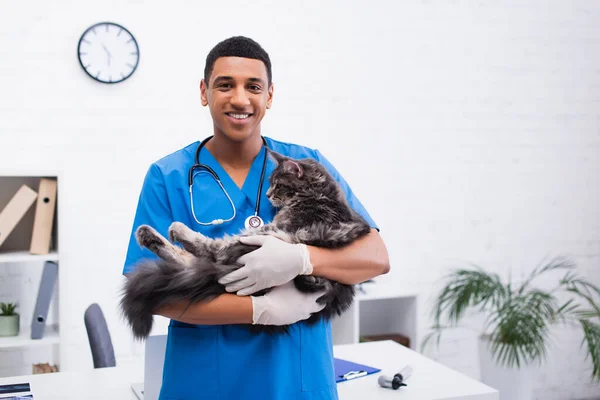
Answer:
(269, 193)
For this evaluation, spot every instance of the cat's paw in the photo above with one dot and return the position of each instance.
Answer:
(148, 237)
(178, 231)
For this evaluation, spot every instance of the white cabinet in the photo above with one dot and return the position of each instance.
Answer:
(379, 309)
(20, 276)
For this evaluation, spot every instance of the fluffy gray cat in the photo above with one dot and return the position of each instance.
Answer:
(312, 209)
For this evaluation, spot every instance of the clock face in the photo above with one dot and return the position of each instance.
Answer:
(108, 52)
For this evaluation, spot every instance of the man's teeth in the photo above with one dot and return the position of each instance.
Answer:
(239, 116)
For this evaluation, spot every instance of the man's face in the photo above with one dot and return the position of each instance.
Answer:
(238, 96)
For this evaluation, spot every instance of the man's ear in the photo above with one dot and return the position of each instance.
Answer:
(270, 99)
(203, 93)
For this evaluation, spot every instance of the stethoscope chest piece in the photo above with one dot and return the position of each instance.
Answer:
(253, 221)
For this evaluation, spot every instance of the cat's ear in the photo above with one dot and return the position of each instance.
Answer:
(278, 158)
(292, 167)
(289, 165)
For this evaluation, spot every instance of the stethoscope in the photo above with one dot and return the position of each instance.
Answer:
(253, 221)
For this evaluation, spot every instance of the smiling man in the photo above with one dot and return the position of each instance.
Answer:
(210, 354)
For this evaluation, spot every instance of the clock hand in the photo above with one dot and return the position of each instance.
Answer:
(108, 53)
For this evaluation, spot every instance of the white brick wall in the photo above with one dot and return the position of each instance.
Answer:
(469, 129)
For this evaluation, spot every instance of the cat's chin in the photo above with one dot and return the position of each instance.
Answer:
(278, 205)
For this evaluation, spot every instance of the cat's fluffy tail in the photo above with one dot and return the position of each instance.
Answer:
(155, 283)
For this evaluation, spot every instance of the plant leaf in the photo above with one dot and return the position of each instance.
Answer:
(591, 336)
(559, 262)
(573, 281)
(587, 297)
(466, 288)
(522, 329)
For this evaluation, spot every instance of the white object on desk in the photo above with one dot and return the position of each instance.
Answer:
(429, 381)
(154, 356)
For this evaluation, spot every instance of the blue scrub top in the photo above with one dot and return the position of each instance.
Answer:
(227, 361)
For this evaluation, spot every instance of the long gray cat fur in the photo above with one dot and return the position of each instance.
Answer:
(312, 209)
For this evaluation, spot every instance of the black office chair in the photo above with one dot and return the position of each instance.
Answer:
(103, 353)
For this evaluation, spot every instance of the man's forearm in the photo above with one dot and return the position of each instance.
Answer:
(360, 261)
(225, 309)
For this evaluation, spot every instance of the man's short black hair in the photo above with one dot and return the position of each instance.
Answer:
(237, 46)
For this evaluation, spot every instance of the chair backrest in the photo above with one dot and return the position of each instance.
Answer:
(103, 353)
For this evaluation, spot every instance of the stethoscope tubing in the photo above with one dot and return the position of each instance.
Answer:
(209, 170)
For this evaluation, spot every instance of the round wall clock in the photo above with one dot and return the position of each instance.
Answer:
(108, 52)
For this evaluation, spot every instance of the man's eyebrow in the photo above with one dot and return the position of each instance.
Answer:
(219, 79)
(257, 80)
(222, 78)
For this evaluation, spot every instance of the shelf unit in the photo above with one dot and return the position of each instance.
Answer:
(379, 308)
(23, 340)
(24, 256)
(20, 273)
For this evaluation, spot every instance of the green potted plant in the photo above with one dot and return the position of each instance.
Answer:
(518, 318)
(9, 319)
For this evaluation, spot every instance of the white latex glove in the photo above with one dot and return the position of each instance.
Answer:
(274, 263)
(284, 305)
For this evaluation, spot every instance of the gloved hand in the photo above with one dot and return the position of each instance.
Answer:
(274, 263)
(284, 305)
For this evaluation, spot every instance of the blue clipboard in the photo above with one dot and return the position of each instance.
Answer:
(348, 370)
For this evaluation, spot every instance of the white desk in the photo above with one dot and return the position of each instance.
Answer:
(92, 384)
(430, 380)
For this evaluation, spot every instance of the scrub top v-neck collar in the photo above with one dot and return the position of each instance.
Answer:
(249, 188)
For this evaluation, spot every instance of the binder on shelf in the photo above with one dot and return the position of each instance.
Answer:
(42, 305)
(44, 217)
(14, 211)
